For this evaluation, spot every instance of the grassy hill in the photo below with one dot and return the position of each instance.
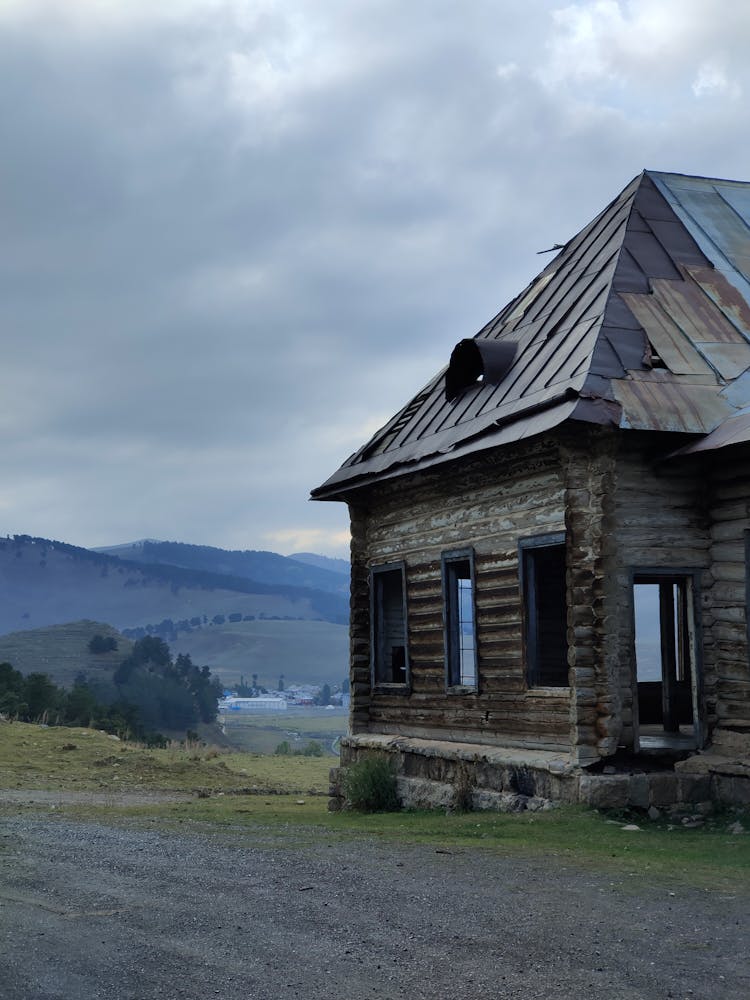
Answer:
(61, 651)
(306, 652)
(45, 582)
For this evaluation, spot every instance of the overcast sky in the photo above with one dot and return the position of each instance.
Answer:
(238, 236)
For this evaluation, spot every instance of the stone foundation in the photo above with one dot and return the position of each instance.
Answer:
(432, 774)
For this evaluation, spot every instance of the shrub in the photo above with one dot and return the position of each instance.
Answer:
(283, 749)
(102, 643)
(370, 786)
(313, 749)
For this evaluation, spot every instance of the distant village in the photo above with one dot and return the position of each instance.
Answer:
(259, 700)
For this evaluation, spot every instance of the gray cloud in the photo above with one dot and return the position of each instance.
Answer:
(236, 236)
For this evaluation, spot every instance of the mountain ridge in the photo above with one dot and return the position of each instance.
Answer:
(45, 582)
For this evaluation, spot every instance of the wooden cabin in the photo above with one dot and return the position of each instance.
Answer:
(550, 540)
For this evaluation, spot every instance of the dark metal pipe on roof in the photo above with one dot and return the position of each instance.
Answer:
(480, 358)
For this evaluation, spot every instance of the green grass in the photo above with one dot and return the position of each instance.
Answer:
(280, 807)
(35, 757)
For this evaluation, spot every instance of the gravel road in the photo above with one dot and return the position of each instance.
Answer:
(91, 911)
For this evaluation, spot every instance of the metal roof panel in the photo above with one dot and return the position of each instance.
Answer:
(669, 406)
(675, 349)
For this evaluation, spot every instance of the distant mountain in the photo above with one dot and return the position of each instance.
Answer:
(341, 566)
(268, 567)
(45, 582)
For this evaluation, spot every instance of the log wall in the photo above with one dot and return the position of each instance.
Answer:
(725, 615)
(487, 504)
(660, 509)
(622, 507)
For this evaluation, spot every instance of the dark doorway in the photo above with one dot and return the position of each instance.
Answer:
(665, 659)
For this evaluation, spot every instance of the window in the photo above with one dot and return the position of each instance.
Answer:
(460, 627)
(389, 655)
(542, 567)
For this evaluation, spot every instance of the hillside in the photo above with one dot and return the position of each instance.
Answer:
(306, 652)
(61, 651)
(44, 582)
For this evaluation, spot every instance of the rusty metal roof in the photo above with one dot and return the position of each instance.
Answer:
(641, 321)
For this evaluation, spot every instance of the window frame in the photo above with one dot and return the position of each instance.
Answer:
(451, 619)
(377, 664)
(527, 547)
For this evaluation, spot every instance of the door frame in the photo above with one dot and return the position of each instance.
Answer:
(693, 640)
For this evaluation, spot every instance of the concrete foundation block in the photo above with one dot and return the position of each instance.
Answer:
(421, 793)
(605, 791)
(731, 788)
(693, 787)
(662, 789)
(639, 791)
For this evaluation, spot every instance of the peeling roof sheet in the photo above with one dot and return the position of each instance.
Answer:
(641, 321)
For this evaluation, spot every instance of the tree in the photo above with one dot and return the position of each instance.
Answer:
(281, 683)
(40, 695)
(324, 695)
(80, 705)
(102, 643)
(12, 701)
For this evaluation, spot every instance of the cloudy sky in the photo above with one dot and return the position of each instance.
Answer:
(237, 235)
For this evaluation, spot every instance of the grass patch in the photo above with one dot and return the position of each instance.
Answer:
(36, 757)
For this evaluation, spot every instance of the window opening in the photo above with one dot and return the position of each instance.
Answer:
(542, 566)
(663, 657)
(460, 623)
(389, 648)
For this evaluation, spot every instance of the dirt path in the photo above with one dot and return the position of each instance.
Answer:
(90, 911)
(64, 797)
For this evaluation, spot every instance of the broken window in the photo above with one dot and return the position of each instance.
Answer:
(459, 619)
(389, 655)
(664, 651)
(542, 567)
